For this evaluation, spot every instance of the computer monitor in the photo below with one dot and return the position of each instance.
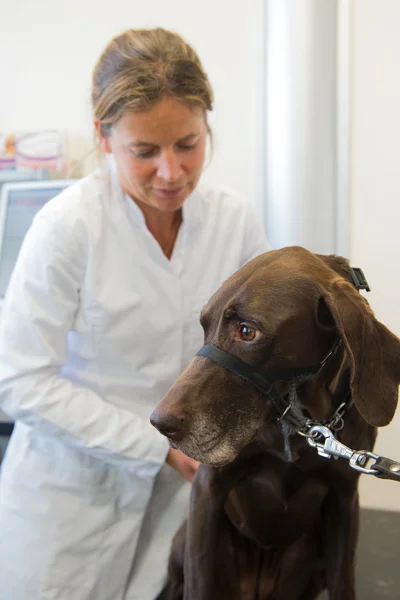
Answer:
(19, 202)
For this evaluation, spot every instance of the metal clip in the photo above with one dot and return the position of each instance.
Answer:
(332, 447)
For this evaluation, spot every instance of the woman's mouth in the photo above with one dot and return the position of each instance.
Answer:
(169, 192)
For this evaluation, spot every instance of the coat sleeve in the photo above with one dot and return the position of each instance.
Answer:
(38, 313)
(254, 240)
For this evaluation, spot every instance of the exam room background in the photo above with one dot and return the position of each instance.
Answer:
(313, 145)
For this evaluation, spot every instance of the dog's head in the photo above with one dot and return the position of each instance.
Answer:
(285, 308)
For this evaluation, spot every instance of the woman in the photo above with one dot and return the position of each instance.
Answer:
(100, 317)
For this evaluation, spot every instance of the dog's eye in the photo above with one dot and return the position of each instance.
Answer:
(248, 334)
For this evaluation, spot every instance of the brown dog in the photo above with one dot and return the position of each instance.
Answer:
(269, 517)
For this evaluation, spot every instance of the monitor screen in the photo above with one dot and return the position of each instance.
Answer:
(20, 203)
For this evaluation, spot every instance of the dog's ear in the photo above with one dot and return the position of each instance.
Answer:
(374, 353)
(339, 264)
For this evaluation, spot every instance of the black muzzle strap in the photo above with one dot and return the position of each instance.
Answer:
(263, 380)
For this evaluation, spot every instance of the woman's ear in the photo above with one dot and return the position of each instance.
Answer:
(104, 140)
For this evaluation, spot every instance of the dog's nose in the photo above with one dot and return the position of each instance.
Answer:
(168, 425)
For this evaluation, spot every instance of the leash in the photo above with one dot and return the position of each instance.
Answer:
(319, 434)
(383, 468)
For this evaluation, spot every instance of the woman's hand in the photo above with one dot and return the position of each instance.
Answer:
(185, 465)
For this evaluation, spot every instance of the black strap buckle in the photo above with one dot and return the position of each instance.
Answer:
(359, 279)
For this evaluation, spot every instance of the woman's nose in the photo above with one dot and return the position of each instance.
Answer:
(169, 167)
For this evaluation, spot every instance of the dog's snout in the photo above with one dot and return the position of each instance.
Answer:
(168, 425)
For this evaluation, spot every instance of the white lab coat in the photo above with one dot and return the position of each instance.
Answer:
(96, 326)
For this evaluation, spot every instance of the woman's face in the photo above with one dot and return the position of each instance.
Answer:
(159, 153)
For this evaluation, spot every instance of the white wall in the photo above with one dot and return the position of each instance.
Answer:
(375, 186)
(48, 50)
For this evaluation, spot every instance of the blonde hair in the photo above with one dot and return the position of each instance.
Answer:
(139, 67)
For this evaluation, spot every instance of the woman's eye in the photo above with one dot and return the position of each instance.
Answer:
(186, 147)
(145, 154)
(248, 334)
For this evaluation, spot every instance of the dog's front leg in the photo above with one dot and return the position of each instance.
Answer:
(340, 533)
(204, 528)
